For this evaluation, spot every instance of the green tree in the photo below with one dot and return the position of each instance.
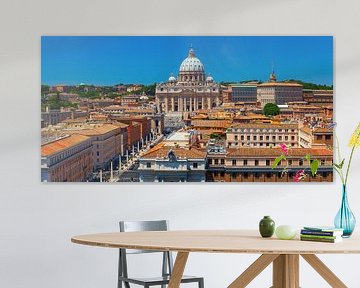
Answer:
(54, 103)
(271, 109)
(45, 89)
(149, 90)
(215, 136)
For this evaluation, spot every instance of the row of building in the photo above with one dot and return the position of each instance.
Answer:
(90, 145)
(179, 159)
(257, 132)
(279, 93)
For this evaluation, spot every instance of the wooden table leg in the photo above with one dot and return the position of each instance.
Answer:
(286, 271)
(178, 269)
(253, 270)
(324, 271)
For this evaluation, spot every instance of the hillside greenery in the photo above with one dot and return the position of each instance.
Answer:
(312, 86)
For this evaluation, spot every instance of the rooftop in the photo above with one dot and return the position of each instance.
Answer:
(62, 144)
(98, 130)
(323, 130)
(264, 126)
(161, 151)
(280, 84)
(275, 152)
(179, 136)
(211, 123)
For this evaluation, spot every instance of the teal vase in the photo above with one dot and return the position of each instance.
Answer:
(266, 227)
(345, 219)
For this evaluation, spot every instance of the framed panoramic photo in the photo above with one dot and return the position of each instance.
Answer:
(186, 108)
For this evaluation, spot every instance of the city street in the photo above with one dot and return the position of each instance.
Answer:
(129, 168)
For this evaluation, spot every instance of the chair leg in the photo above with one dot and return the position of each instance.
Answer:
(201, 283)
(120, 270)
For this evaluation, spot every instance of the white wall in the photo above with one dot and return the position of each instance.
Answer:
(37, 220)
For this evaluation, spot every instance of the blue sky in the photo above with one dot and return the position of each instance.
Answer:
(108, 60)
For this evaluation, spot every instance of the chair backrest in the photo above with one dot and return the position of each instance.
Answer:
(133, 226)
(138, 226)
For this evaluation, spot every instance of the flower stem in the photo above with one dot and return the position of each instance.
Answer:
(339, 171)
(351, 155)
(348, 166)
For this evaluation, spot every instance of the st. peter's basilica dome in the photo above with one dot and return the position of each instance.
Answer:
(191, 63)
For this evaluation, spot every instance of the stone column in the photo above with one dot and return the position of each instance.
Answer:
(203, 103)
(172, 104)
(166, 104)
(191, 106)
(209, 102)
(217, 101)
(180, 104)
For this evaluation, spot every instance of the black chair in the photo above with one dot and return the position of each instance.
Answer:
(167, 265)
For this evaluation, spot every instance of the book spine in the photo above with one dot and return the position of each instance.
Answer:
(317, 239)
(319, 233)
(318, 236)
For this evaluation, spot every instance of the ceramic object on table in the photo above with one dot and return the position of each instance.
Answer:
(285, 232)
(267, 227)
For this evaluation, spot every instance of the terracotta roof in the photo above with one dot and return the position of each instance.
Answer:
(99, 116)
(210, 131)
(62, 144)
(211, 123)
(243, 117)
(275, 152)
(202, 111)
(199, 116)
(75, 120)
(142, 110)
(306, 129)
(161, 151)
(304, 107)
(121, 125)
(257, 116)
(264, 126)
(100, 130)
(322, 130)
(114, 107)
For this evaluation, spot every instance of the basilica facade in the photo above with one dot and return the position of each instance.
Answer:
(191, 90)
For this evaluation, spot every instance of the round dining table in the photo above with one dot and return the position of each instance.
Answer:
(283, 254)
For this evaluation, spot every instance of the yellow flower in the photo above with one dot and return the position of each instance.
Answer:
(355, 138)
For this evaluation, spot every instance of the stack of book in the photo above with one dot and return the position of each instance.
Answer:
(321, 234)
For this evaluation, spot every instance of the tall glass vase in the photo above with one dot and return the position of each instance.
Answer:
(345, 219)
